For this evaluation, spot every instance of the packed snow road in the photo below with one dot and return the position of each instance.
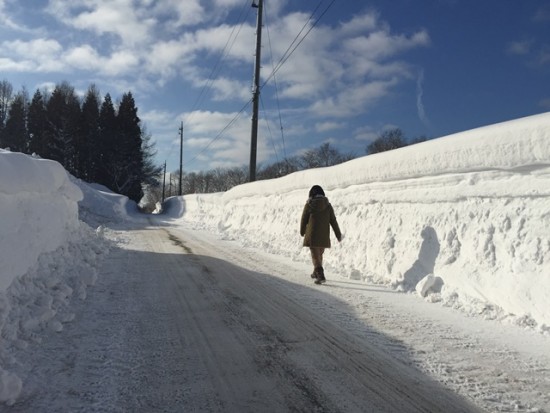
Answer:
(176, 324)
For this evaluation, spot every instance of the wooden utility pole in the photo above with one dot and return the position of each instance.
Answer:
(181, 157)
(256, 92)
(163, 181)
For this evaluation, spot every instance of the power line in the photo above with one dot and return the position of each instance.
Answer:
(290, 50)
(276, 92)
(219, 135)
(217, 66)
(269, 129)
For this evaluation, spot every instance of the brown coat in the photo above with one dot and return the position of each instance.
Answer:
(317, 218)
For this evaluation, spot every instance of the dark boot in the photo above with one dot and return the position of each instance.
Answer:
(320, 279)
(315, 273)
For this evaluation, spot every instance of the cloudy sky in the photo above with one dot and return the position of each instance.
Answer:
(337, 71)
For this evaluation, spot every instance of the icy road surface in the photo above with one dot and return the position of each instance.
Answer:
(182, 321)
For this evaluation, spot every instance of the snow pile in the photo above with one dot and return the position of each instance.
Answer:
(47, 256)
(101, 206)
(464, 219)
(39, 210)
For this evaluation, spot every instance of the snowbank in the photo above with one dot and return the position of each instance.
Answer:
(469, 211)
(100, 205)
(47, 256)
(38, 205)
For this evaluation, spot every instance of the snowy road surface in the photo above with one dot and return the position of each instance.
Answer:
(184, 329)
(182, 321)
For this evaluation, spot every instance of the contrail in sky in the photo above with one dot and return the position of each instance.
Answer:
(419, 103)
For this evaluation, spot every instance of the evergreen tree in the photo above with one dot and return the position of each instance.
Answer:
(105, 145)
(73, 131)
(15, 132)
(150, 171)
(37, 121)
(129, 161)
(63, 113)
(88, 154)
(93, 142)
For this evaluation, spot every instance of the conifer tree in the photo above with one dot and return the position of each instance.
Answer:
(15, 132)
(63, 112)
(129, 167)
(88, 153)
(37, 121)
(106, 143)
(150, 171)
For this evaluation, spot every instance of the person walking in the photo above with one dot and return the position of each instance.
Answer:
(317, 218)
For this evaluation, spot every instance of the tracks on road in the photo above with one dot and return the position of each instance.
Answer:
(174, 326)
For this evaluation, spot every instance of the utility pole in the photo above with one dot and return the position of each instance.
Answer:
(181, 156)
(256, 91)
(163, 182)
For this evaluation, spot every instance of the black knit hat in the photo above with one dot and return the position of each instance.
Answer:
(316, 190)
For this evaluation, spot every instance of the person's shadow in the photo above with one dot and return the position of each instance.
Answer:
(425, 264)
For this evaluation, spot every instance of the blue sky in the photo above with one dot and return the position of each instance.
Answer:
(430, 67)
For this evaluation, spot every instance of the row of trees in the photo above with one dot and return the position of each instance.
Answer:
(391, 139)
(94, 140)
(98, 142)
(223, 179)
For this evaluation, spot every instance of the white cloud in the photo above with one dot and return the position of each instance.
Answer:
(360, 23)
(542, 14)
(39, 55)
(180, 13)
(9, 65)
(337, 71)
(381, 44)
(209, 137)
(120, 63)
(123, 18)
(215, 39)
(365, 133)
(352, 101)
(520, 47)
(545, 104)
(328, 126)
(227, 89)
(83, 57)
(544, 55)
(342, 62)
(34, 48)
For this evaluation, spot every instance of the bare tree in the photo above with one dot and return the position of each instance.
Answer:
(6, 93)
(324, 155)
(388, 140)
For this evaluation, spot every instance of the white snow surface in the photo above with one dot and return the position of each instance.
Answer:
(470, 210)
(460, 222)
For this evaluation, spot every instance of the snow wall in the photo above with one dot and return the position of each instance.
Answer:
(469, 212)
(47, 256)
(38, 205)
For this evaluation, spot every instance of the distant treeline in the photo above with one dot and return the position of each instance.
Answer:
(223, 179)
(92, 139)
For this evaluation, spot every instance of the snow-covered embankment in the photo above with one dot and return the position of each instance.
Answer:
(47, 256)
(463, 219)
